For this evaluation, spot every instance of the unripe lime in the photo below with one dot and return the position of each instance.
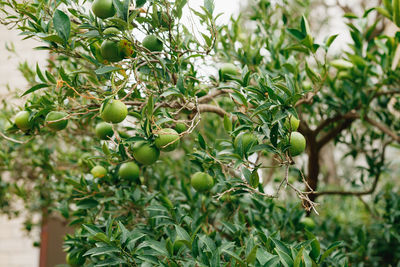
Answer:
(129, 171)
(56, 116)
(74, 260)
(104, 130)
(110, 51)
(98, 171)
(111, 31)
(113, 111)
(103, 8)
(145, 153)
(202, 181)
(308, 223)
(165, 137)
(22, 120)
(180, 127)
(248, 140)
(152, 43)
(228, 69)
(297, 144)
(292, 123)
(178, 244)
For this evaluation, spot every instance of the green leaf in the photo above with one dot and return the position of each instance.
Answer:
(182, 234)
(202, 143)
(330, 249)
(254, 179)
(331, 39)
(227, 123)
(286, 260)
(35, 88)
(62, 24)
(140, 3)
(101, 251)
(299, 258)
(87, 203)
(180, 84)
(106, 69)
(209, 6)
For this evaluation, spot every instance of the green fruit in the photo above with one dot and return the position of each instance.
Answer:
(103, 8)
(248, 140)
(165, 137)
(297, 144)
(74, 260)
(98, 171)
(104, 130)
(145, 153)
(129, 171)
(308, 223)
(180, 127)
(152, 43)
(110, 51)
(56, 116)
(111, 31)
(292, 123)
(113, 111)
(22, 120)
(227, 70)
(178, 244)
(307, 86)
(202, 181)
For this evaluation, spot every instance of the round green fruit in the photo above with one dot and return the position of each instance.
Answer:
(98, 171)
(178, 244)
(129, 171)
(308, 223)
(292, 123)
(110, 51)
(111, 31)
(248, 140)
(56, 116)
(180, 127)
(113, 111)
(202, 181)
(103, 8)
(145, 153)
(297, 144)
(22, 120)
(104, 130)
(74, 260)
(165, 138)
(227, 70)
(152, 43)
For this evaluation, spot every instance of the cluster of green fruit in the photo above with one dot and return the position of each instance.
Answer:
(297, 141)
(114, 50)
(55, 120)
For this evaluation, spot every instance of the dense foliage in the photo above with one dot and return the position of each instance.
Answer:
(156, 135)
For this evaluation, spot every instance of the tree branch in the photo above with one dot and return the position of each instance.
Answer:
(334, 132)
(383, 128)
(209, 97)
(360, 193)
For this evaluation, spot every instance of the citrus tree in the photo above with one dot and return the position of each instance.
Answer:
(152, 135)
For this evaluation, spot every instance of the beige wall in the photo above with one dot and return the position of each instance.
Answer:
(16, 248)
